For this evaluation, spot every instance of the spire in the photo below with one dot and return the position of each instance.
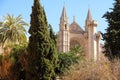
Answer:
(64, 15)
(89, 16)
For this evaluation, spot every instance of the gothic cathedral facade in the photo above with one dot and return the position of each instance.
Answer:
(72, 34)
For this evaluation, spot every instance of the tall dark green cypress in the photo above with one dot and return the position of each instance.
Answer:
(53, 36)
(53, 48)
(41, 54)
(112, 35)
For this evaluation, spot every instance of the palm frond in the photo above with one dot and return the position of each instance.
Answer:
(12, 29)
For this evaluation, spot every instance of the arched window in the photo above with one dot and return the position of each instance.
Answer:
(65, 26)
(74, 43)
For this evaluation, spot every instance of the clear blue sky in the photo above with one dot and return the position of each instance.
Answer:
(53, 10)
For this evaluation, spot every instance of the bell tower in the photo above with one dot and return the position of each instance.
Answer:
(63, 34)
(91, 28)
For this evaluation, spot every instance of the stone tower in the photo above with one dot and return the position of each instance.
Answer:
(72, 34)
(91, 28)
(63, 34)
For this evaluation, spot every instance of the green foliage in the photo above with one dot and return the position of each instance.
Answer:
(16, 51)
(12, 65)
(112, 35)
(52, 51)
(12, 30)
(42, 56)
(52, 34)
(17, 70)
(67, 59)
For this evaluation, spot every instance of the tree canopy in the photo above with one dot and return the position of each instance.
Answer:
(12, 30)
(112, 35)
(41, 50)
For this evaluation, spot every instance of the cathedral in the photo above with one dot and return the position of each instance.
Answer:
(72, 34)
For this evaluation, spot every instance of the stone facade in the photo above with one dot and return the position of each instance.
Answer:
(72, 34)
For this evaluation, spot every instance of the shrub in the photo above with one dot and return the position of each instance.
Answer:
(100, 70)
(12, 65)
(115, 68)
(68, 59)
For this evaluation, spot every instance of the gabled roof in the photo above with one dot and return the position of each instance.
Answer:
(75, 28)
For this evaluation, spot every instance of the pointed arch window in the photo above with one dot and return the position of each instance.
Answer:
(65, 26)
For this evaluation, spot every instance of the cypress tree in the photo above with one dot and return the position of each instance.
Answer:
(41, 52)
(53, 36)
(53, 48)
(112, 35)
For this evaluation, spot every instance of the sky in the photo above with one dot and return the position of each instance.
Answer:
(53, 8)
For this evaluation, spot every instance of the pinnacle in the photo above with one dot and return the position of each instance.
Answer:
(89, 16)
(64, 15)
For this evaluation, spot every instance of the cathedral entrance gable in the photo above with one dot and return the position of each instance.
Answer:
(76, 40)
(75, 28)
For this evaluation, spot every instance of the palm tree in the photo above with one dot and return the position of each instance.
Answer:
(12, 30)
